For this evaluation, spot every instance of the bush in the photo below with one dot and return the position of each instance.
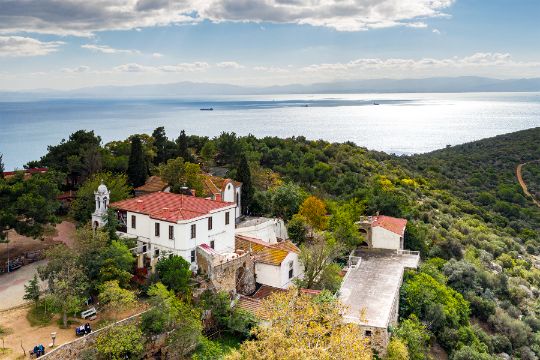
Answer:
(120, 342)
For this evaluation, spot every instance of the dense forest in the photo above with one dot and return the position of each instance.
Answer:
(476, 293)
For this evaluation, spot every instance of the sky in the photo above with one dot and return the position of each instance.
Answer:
(66, 44)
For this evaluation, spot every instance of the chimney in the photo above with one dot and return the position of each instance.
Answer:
(218, 197)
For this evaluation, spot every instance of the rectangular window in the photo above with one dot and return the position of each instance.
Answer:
(192, 256)
(193, 231)
(291, 269)
(133, 222)
(210, 223)
(227, 220)
(156, 252)
(212, 244)
(368, 333)
(171, 232)
(156, 230)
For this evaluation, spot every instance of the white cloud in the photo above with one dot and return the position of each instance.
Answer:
(19, 46)
(108, 50)
(177, 68)
(270, 69)
(482, 64)
(436, 31)
(157, 55)
(77, 70)
(229, 65)
(83, 18)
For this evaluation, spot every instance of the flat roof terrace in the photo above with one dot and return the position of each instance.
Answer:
(370, 290)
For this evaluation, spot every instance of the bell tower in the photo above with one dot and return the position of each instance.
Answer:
(102, 196)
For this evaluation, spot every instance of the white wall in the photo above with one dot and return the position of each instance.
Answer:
(268, 274)
(278, 276)
(384, 239)
(267, 231)
(183, 244)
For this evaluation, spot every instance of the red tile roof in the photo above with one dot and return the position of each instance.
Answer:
(271, 254)
(170, 207)
(153, 184)
(389, 223)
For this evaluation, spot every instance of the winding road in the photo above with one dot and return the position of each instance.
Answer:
(522, 183)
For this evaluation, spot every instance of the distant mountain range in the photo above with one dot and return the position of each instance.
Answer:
(192, 89)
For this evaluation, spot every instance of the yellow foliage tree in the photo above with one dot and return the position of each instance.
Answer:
(301, 326)
(314, 210)
(397, 350)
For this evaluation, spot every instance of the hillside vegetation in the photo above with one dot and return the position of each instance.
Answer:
(477, 291)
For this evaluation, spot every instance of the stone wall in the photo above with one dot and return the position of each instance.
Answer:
(73, 349)
(378, 338)
(233, 275)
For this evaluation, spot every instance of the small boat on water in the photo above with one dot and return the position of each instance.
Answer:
(375, 103)
(207, 109)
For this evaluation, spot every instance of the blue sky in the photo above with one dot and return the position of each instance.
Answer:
(76, 43)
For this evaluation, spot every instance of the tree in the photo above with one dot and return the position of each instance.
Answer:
(28, 205)
(2, 167)
(161, 143)
(297, 228)
(243, 174)
(115, 298)
(314, 211)
(117, 263)
(137, 167)
(173, 172)
(120, 342)
(179, 319)
(77, 157)
(90, 246)
(415, 335)
(183, 147)
(67, 282)
(286, 200)
(301, 326)
(174, 272)
(31, 291)
(193, 178)
(228, 148)
(421, 294)
(317, 256)
(84, 204)
(342, 223)
(208, 153)
(397, 350)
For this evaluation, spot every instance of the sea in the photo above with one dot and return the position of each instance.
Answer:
(395, 123)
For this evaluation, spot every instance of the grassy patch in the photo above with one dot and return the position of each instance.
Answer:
(228, 342)
(39, 315)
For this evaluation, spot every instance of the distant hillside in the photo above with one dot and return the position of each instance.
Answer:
(484, 172)
(191, 89)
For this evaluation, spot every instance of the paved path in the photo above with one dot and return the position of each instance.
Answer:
(522, 183)
(12, 285)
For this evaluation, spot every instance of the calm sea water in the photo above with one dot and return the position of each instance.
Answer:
(401, 123)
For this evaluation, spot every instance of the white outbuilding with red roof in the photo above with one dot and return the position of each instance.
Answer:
(384, 232)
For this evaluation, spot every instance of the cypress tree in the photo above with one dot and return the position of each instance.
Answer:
(182, 143)
(137, 170)
(243, 174)
(2, 169)
(160, 143)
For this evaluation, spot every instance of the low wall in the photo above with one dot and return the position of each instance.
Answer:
(71, 350)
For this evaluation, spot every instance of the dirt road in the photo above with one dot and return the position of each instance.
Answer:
(522, 183)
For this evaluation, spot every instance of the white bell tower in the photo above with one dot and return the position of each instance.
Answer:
(102, 196)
